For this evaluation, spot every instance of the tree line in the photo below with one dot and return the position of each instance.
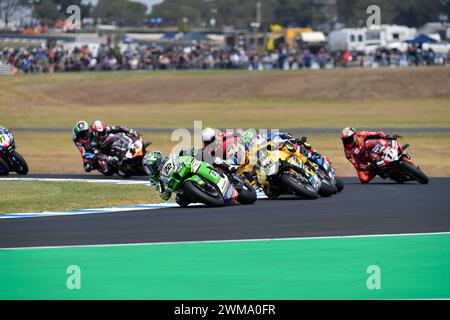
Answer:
(352, 13)
(236, 13)
(119, 12)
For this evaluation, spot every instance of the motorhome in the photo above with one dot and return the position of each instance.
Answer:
(367, 39)
(347, 39)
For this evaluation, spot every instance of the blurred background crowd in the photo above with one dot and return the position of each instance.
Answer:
(58, 59)
(38, 35)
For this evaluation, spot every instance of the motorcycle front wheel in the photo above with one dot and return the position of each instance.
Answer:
(206, 195)
(339, 184)
(327, 190)
(294, 185)
(414, 172)
(20, 165)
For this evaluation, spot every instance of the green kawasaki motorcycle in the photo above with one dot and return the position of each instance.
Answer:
(196, 181)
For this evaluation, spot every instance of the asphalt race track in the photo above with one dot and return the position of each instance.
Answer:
(378, 208)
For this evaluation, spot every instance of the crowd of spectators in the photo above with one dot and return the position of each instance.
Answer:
(154, 57)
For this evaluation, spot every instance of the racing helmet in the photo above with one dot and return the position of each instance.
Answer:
(247, 137)
(152, 162)
(208, 135)
(348, 136)
(99, 129)
(82, 131)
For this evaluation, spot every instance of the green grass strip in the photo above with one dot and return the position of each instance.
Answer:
(412, 267)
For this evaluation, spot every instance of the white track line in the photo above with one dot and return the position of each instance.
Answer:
(231, 241)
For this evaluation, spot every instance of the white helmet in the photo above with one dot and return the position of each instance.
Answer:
(208, 135)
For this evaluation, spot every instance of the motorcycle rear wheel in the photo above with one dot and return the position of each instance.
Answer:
(4, 168)
(203, 197)
(294, 185)
(414, 172)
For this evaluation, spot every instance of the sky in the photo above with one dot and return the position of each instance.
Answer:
(149, 3)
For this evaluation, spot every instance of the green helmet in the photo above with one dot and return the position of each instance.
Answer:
(152, 162)
(82, 130)
(247, 137)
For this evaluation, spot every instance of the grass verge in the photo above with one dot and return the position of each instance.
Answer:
(24, 197)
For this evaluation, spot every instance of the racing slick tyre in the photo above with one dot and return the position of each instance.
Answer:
(414, 172)
(296, 187)
(21, 166)
(209, 196)
(327, 190)
(124, 174)
(339, 184)
(182, 201)
(4, 168)
(247, 195)
(107, 173)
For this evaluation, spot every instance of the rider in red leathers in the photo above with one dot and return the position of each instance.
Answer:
(355, 148)
(219, 144)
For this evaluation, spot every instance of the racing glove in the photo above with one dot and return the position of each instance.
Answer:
(113, 160)
(134, 133)
(163, 192)
(372, 166)
(303, 140)
(88, 167)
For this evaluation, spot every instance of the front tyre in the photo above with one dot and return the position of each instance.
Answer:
(296, 187)
(414, 172)
(327, 190)
(4, 168)
(20, 165)
(204, 195)
(247, 195)
(339, 184)
(182, 201)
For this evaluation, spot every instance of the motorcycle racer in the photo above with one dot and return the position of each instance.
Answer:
(154, 164)
(4, 130)
(217, 143)
(101, 131)
(82, 138)
(355, 151)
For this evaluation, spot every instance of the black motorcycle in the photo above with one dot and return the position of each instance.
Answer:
(10, 159)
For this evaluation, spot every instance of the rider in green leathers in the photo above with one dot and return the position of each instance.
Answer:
(153, 162)
(155, 165)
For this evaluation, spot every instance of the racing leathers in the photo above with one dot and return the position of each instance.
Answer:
(85, 146)
(357, 154)
(224, 146)
(100, 143)
(160, 181)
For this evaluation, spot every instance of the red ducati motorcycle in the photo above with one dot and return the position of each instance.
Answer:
(393, 162)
